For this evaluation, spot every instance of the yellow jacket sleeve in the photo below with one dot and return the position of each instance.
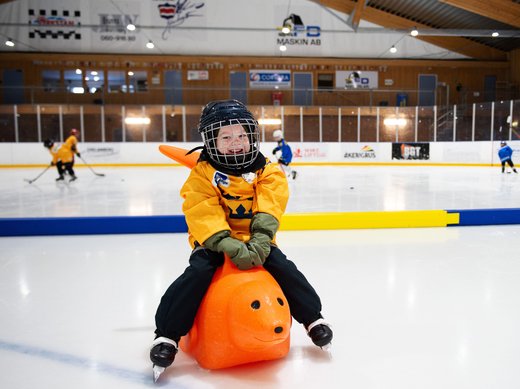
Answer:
(272, 191)
(202, 209)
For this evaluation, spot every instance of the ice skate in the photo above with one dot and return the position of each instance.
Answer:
(162, 354)
(73, 178)
(294, 174)
(60, 178)
(320, 333)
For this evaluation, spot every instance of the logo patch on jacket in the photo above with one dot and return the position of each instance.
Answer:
(220, 179)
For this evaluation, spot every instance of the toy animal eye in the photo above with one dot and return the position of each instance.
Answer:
(255, 304)
(280, 301)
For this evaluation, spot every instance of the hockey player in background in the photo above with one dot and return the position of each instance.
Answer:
(63, 156)
(284, 154)
(234, 199)
(505, 153)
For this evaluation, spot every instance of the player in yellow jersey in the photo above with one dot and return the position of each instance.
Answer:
(63, 156)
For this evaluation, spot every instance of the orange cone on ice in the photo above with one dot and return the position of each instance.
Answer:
(180, 155)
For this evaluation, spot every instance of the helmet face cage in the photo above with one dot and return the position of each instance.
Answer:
(236, 161)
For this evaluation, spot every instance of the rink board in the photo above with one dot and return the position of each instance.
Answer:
(290, 222)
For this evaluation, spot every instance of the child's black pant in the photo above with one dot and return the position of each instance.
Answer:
(68, 166)
(180, 303)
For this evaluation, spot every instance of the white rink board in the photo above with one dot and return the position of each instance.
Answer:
(307, 152)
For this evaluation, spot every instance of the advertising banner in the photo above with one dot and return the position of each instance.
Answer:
(411, 151)
(360, 152)
(356, 79)
(270, 79)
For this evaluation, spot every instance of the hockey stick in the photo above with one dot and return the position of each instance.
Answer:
(92, 170)
(38, 176)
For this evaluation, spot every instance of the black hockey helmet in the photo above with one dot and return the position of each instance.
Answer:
(503, 143)
(221, 113)
(48, 143)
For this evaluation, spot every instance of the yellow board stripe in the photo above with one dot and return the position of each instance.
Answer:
(351, 220)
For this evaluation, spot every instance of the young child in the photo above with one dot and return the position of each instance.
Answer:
(233, 201)
(286, 154)
(505, 153)
(63, 157)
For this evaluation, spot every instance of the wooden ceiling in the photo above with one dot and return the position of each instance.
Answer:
(460, 26)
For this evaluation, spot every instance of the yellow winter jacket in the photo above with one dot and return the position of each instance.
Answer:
(60, 154)
(214, 201)
(68, 149)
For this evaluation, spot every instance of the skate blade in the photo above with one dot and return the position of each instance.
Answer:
(157, 371)
(327, 347)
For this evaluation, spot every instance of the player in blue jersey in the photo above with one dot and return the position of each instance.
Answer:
(504, 153)
(284, 154)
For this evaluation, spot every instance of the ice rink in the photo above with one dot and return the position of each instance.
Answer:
(410, 308)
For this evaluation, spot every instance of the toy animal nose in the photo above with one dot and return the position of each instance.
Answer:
(278, 330)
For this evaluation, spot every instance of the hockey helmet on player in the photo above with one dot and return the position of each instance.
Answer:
(222, 113)
(48, 143)
(277, 135)
(74, 132)
(503, 143)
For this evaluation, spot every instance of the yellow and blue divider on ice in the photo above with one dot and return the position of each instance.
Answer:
(303, 221)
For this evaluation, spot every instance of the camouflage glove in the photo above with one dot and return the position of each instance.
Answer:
(263, 228)
(238, 252)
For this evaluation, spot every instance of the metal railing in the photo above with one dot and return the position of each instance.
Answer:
(497, 120)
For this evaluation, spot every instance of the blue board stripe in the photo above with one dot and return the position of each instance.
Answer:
(177, 223)
(485, 217)
(92, 225)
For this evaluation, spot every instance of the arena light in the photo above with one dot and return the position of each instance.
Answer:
(150, 45)
(283, 48)
(400, 122)
(414, 32)
(9, 42)
(393, 49)
(268, 122)
(137, 120)
(130, 27)
(78, 90)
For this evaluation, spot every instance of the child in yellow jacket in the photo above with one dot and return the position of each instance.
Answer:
(234, 199)
(63, 156)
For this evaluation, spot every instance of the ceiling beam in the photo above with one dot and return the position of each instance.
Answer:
(504, 11)
(459, 45)
(355, 16)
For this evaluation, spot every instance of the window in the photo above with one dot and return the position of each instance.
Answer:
(326, 81)
(95, 80)
(51, 80)
(116, 81)
(73, 80)
(138, 81)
